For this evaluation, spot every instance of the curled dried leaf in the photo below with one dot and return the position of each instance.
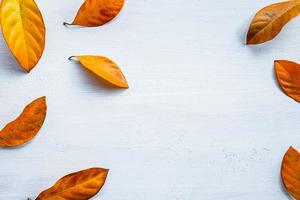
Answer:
(80, 185)
(288, 77)
(105, 68)
(290, 172)
(26, 126)
(269, 21)
(23, 30)
(97, 13)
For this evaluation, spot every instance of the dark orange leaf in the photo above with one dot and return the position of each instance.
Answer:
(288, 76)
(26, 126)
(104, 68)
(80, 185)
(290, 172)
(269, 21)
(97, 13)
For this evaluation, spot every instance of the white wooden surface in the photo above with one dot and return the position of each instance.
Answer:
(203, 119)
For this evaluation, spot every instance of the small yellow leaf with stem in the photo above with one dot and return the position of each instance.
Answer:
(104, 68)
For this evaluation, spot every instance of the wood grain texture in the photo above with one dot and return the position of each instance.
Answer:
(203, 113)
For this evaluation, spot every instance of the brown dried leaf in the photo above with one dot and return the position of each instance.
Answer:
(97, 13)
(290, 172)
(26, 126)
(288, 77)
(80, 185)
(269, 21)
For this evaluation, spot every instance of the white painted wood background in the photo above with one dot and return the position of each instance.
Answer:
(203, 118)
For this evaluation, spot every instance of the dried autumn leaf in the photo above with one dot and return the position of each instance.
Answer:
(290, 172)
(269, 21)
(288, 77)
(26, 126)
(97, 13)
(23, 30)
(105, 68)
(80, 185)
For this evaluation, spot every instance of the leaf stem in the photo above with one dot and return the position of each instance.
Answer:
(66, 24)
(71, 57)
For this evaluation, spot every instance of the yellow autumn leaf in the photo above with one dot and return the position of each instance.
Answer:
(105, 68)
(23, 30)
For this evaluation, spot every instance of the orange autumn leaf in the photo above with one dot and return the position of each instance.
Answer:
(104, 68)
(23, 30)
(269, 21)
(290, 172)
(26, 126)
(97, 13)
(288, 77)
(80, 185)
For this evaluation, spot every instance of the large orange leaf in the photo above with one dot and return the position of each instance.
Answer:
(269, 21)
(105, 68)
(97, 12)
(26, 126)
(23, 30)
(290, 172)
(288, 77)
(80, 185)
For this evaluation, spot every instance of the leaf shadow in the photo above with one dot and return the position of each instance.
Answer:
(71, 26)
(16, 147)
(97, 82)
(275, 78)
(8, 60)
(242, 31)
(264, 48)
